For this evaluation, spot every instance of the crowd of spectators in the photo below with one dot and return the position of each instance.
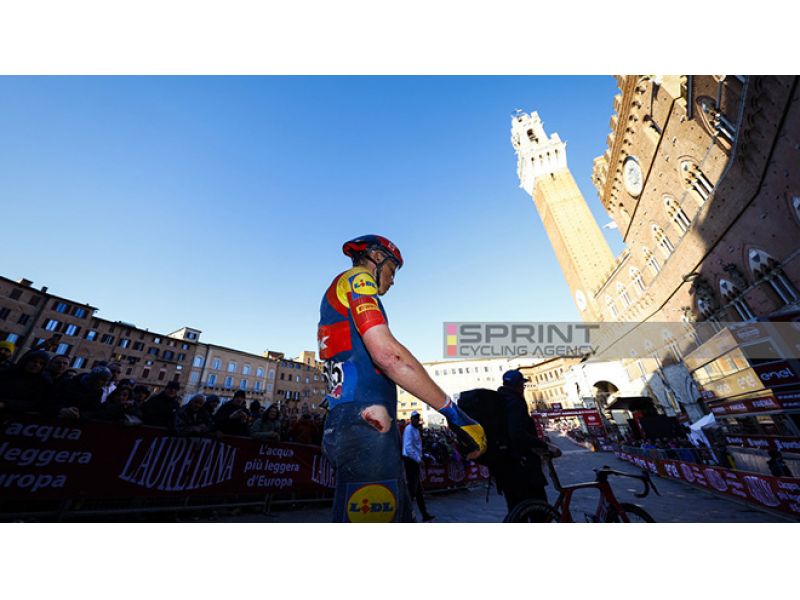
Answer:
(42, 384)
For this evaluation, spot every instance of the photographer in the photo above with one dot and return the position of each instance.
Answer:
(233, 418)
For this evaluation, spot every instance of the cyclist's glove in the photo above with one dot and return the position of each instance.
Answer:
(469, 433)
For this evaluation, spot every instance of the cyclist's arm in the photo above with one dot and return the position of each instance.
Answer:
(400, 366)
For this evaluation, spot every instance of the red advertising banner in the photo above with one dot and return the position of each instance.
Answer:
(777, 493)
(57, 460)
(592, 419)
(746, 405)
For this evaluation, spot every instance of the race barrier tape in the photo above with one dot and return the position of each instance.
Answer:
(65, 460)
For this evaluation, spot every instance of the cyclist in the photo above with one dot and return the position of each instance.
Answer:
(363, 364)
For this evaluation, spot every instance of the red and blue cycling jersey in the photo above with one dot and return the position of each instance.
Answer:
(350, 307)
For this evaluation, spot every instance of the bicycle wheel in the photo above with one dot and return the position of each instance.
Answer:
(636, 514)
(532, 511)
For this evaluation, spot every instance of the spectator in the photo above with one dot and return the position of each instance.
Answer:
(302, 432)
(255, 410)
(55, 369)
(319, 429)
(776, 464)
(232, 418)
(686, 451)
(140, 394)
(79, 397)
(159, 410)
(191, 419)
(268, 427)
(121, 407)
(211, 404)
(6, 352)
(23, 388)
(115, 368)
(412, 457)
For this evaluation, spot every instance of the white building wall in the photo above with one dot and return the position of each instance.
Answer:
(455, 376)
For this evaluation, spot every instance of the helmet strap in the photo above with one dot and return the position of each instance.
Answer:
(378, 266)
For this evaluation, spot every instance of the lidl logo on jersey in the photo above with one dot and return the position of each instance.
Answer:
(364, 284)
(372, 503)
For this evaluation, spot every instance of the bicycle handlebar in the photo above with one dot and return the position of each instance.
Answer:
(604, 472)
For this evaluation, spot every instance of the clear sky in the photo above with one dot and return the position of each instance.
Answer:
(221, 203)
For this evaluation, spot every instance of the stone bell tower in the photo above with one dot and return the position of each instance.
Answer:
(581, 249)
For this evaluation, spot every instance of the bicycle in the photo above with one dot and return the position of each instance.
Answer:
(609, 509)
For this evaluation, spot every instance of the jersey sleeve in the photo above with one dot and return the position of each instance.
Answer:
(363, 303)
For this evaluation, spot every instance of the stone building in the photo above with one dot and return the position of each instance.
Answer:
(222, 371)
(29, 316)
(547, 386)
(300, 387)
(699, 176)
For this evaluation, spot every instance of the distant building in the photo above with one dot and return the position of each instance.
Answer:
(454, 376)
(299, 386)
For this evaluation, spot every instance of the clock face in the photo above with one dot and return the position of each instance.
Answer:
(632, 176)
(580, 300)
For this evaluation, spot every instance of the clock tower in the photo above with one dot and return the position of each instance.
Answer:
(581, 249)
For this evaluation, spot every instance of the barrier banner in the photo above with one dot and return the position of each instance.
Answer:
(58, 460)
(451, 474)
(45, 459)
(764, 442)
(777, 493)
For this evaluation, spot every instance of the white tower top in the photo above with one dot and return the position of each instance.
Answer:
(537, 155)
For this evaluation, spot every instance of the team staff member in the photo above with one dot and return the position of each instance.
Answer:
(519, 474)
(412, 458)
(363, 364)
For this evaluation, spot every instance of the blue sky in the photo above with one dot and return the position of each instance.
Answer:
(221, 203)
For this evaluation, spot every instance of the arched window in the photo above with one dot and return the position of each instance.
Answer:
(662, 241)
(626, 216)
(763, 266)
(651, 261)
(636, 278)
(695, 180)
(677, 215)
(622, 293)
(612, 308)
(734, 296)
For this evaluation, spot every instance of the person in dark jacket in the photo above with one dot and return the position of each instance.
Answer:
(519, 474)
(120, 407)
(6, 352)
(211, 405)
(777, 466)
(140, 394)
(79, 397)
(233, 418)
(56, 368)
(23, 388)
(159, 410)
(191, 419)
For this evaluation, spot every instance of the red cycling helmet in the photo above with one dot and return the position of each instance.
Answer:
(363, 244)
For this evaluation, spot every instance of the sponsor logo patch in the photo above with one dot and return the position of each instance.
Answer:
(362, 308)
(364, 285)
(372, 503)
